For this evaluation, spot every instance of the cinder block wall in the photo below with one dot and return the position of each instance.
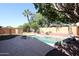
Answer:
(60, 30)
(74, 30)
(78, 30)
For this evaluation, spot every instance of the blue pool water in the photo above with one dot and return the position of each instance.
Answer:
(45, 39)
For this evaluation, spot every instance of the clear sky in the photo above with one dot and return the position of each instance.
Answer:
(11, 13)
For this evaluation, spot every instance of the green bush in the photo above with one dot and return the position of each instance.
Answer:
(26, 27)
(34, 26)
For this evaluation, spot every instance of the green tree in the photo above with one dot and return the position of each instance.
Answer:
(26, 27)
(48, 10)
(64, 12)
(71, 10)
(35, 26)
(27, 14)
(39, 19)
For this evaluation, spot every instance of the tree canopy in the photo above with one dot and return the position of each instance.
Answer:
(39, 19)
(36, 21)
(71, 10)
(64, 12)
(27, 14)
(51, 13)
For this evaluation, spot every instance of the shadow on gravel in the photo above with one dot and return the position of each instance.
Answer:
(69, 49)
(6, 37)
(55, 52)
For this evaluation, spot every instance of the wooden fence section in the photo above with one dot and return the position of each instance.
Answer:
(6, 31)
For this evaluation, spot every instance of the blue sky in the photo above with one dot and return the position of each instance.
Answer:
(11, 13)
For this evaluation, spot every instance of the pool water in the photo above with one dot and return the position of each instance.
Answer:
(47, 40)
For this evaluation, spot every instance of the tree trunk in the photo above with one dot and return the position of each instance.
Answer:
(29, 22)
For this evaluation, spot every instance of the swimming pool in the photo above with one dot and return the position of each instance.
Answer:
(46, 39)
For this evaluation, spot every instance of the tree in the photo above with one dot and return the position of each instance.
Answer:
(27, 14)
(64, 12)
(45, 10)
(39, 19)
(36, 21)
(26, 27)
(71, 10)
(35, 26)
(48, 10)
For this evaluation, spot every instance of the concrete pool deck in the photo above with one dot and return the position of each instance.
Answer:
(61, 36)
(20, 46)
